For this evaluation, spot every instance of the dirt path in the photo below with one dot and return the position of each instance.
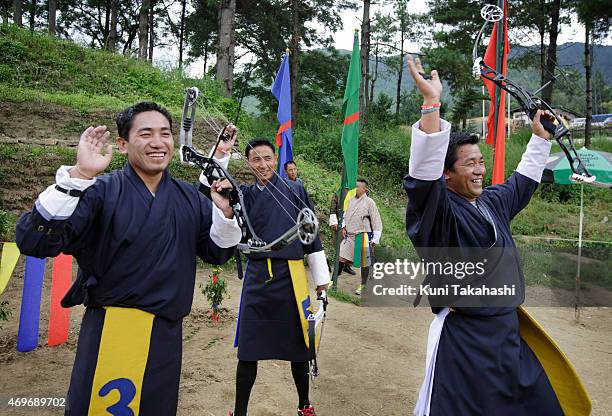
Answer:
(371, 359)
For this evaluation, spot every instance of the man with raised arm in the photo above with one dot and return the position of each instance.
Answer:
(135, 234)
(477, 362)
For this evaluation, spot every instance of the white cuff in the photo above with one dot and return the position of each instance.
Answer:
(55, 205)
(333, 220)
(534, 159)
(318, 267)
(427, 152)
(224, 161)
(224, 232)
(376, 237)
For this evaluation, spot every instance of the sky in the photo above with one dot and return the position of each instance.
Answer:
(351, 20)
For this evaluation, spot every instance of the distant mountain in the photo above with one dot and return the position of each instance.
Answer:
(570, 56)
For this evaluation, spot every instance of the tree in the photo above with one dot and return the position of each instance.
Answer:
(225, 51)
(33, 6)
(201, 30)
(17, 13)
(403, 27)
(111, 44)
(182, 32)
(151, 30)
(52, 16)
(264, 28)
(143, 30)
(381, 35)
(596, 15)
(364, 99)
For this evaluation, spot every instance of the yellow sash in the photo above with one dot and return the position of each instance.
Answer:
(300, 289)
(565, 382)
(122, 358)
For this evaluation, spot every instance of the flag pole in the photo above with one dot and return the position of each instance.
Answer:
(340, 215)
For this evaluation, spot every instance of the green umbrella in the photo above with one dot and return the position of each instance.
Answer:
(558, 171)
(597, 163)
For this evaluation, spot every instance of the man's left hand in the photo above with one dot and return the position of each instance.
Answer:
(219, 200)
(321, 288)
(536, 126)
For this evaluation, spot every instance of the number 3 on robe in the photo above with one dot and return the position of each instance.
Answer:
(126, 390)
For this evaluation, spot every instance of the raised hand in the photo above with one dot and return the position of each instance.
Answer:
(225, 146)
(431, 89)
(94, 153)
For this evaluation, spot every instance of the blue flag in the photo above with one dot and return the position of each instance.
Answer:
(281, 89)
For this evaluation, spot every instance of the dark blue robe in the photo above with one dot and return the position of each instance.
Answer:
(268, 321)
(482, 367)
(134, 250)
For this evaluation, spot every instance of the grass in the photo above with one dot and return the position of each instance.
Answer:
(37, 67)
(344, 297)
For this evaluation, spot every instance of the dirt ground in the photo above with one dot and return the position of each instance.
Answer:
(371, 359)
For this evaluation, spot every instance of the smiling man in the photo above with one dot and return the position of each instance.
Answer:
(135, 234)
(274, 301)
(477, 361)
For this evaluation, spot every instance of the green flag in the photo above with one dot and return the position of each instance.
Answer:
(350, 131)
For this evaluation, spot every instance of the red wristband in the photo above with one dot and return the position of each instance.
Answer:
(429, 107)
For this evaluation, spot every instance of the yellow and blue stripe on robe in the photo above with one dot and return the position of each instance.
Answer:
(275, 303)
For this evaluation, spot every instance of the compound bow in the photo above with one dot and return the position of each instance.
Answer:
(531, 103)
(305, 228)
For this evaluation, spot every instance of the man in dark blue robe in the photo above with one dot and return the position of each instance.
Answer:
(477, 362)
(135, 234)
(270, 323)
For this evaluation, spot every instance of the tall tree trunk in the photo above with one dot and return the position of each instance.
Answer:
(542, 32)
(365, 53)
(32, 15)
(107, 24)
(375, 77)
(52, 16)
(225, 52)
(151, 30)
(112, 34)
(205, 57)
(400, 72)
(551, 58)
(589, 86)
(182, 32)
(294, 57)
(17, 13)
(143, 30)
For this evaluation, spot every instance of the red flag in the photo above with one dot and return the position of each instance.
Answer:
(59, 318)
(496, 135)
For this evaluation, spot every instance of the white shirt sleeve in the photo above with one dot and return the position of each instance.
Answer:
(333, 219)
(427, 152)
(224, 232)
(534, 159)
(318, 267)
(56, 205)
